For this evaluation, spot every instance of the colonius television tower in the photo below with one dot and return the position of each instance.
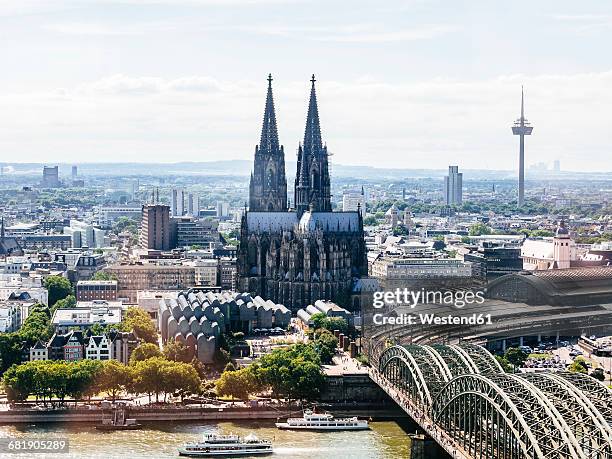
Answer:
(522, 128)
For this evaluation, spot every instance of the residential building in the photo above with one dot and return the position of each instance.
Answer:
(98, 348)
(90, 290)
(151, 276)
(207, 273)
(87, 314)
(10, 317)
(228, 273)
(122, 344)
(39, 351)
(74, 346)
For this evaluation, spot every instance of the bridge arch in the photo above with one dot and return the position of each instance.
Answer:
(584, 421)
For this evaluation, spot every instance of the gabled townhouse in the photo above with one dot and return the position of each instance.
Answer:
(39, 351)
(98, 348)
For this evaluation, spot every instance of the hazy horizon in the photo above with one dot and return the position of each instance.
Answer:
(409, 84)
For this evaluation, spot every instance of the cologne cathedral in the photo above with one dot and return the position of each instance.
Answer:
(295, 256)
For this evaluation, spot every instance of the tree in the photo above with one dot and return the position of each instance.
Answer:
(598, 374)
(480, 229)
(113, 378)
(103, 276)
(58, 287)
(181, 378)
(236, 384)
(139, 321)
(148, 377)
(326, 344)
(506, 366)
(317, 320)
(143, 352)
(515, 357)
(293, 372)
(68, 302)
(577, 367)
(321, 321)
(177, 351)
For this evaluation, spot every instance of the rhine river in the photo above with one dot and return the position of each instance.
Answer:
(385, 440)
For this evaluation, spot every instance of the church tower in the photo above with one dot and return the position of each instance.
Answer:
(268, 186)
(312, 183)
(562, 252)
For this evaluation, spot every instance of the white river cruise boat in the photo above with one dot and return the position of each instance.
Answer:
(322, 421)
(227, 446)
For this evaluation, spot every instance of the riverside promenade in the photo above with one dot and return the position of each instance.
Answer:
(182, 413)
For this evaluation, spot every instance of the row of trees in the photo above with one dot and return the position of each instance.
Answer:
(58, 379)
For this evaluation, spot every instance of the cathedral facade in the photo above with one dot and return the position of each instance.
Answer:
(295, 256)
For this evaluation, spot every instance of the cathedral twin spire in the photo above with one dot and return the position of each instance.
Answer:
(268, 188)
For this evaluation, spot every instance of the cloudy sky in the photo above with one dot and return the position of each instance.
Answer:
(406, 83)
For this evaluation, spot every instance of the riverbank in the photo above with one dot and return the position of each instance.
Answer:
(187, 413)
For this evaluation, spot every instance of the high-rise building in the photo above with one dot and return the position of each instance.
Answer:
(155, 232)
(74, 173)
(522, 128)
(177, 202)
(353, 202)
(222, 209)
(453, 186)
(557, 166)
(50, 177)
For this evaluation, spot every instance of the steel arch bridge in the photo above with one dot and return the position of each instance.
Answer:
(489, 414)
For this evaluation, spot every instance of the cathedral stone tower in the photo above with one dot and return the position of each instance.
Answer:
(312, 183)
(296, 257)
(268, 187)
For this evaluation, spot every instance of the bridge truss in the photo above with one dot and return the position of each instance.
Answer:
(494, 415)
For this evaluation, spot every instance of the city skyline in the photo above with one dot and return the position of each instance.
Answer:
(129, 80)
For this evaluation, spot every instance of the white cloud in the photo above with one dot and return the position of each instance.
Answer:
(425, 124)
(95, 29)
(351, 33)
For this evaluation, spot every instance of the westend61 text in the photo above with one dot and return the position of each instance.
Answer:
(432, 319)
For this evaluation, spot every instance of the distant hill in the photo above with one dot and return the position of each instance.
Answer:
(243, 168)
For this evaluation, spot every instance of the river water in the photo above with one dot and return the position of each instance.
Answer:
(385, 440)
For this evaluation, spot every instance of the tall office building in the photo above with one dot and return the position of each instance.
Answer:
(155, 229)
(353, 202)
(453, 186)
(522, 128)
(74, 173)
(50, 177)
(178, 203)
(557, 166)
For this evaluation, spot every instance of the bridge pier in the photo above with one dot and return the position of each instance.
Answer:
(432, 431)
(424, 447)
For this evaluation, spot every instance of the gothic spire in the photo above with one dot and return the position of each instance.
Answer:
(268, 185)
(269, 133)
(312, 136)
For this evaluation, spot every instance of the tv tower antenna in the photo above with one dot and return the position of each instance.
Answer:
(522, 128)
